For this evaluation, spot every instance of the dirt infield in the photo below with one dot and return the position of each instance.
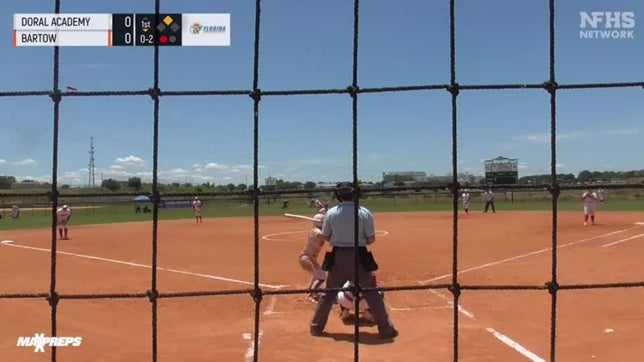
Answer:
(412, 248)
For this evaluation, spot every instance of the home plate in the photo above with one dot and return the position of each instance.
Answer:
(5, 242)
(609, 330)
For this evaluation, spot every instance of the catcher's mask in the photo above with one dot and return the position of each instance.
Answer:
(344, 191)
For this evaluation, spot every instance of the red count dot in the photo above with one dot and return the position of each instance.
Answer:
(163, 39)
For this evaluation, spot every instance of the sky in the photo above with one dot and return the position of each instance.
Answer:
(307, 44)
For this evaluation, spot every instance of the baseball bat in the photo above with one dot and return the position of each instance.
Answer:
(299, 217)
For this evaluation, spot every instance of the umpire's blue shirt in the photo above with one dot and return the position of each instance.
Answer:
(339, 225)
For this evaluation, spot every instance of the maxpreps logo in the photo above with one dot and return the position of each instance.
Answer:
(197, 29)
(39, 341)
(607, 25)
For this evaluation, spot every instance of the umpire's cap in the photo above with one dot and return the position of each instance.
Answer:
(344, 191)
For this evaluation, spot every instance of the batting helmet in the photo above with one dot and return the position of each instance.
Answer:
(344, 191)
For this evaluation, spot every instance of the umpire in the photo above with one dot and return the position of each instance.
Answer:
(338, 230)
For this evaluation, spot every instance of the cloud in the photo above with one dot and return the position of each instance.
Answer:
(522, 165)
(621, 132)
(129, 161)
(545, 137)
(3, 161)
(533, 138)
(26, 162)
(215, 166)
(212, 166)
(560, 165)
(175, 172)
(75, 177)
(116, 167)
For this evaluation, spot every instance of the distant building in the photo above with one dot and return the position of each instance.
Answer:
(413, 176)
(30, 185)
(326, 185)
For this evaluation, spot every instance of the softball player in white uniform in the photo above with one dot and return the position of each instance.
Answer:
(196, 208)
(63, 215)
(466, 201)
(308, 257)
(590, 205)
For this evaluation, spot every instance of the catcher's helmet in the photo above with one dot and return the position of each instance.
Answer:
(347, 299)
(344, 191)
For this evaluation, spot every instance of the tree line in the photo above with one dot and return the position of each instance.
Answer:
(136, 184)
(586, 177)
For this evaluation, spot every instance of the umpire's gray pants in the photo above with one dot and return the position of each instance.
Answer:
(344, 269)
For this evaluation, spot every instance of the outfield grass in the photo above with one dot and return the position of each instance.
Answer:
(116, 213)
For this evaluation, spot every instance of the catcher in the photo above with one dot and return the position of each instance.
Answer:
(308, 257)
(63, 215)
(346, 301)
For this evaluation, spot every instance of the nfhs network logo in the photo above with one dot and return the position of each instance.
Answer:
(607, 25)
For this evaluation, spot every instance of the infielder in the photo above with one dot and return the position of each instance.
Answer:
(63, 214)
(196, 208)
(590, 204)
(600, 193)
(466, 201)
(308, 257)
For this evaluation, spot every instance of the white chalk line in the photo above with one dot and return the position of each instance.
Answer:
(451, 304)
(514, 345)
(250, 351)
(623, 240)
(270, 309)
(501, 337)
(207, 276)
(272, 237)
(517, 257)
(415, 308)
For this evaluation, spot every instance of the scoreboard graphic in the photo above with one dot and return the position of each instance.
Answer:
(121, 29)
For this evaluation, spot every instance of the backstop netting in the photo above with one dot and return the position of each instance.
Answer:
(353, 90)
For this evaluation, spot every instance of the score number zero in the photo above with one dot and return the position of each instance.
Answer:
(124, 31)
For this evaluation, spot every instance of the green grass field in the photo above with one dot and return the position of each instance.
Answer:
(84, 214)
